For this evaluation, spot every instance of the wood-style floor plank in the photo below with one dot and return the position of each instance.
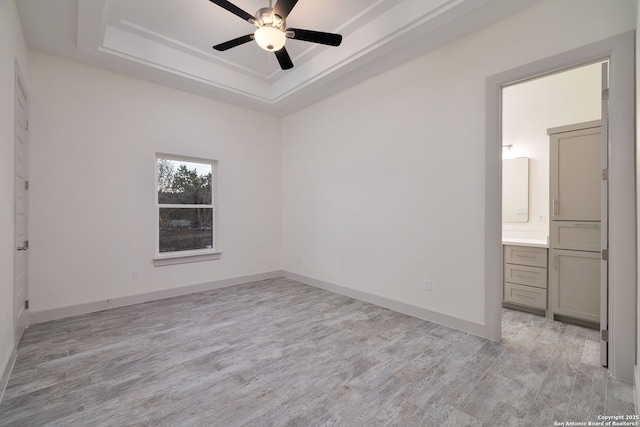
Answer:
(280, 353)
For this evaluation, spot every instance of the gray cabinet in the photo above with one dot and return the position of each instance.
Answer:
(575, 206)
(525, 276)
(575, 290)
(576, 235)
(574, 172)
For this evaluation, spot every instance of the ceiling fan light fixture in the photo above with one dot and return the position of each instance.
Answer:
(270, 38)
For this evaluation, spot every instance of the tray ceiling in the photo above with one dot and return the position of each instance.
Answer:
(170, 42)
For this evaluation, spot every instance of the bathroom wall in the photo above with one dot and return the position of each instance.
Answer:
(529, 109)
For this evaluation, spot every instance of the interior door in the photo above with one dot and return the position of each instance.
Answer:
(20, 207)
(604, 215)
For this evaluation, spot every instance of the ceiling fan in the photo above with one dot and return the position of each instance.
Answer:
(272, 33)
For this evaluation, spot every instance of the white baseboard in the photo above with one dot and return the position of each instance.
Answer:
(90, 307)
(636, 388)
(399, 306)
(6, 370)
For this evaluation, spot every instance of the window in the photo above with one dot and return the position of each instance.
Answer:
(185, 210)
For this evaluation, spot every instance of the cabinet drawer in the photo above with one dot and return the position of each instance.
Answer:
(525, 255)
(525, 275)
(525, 295)
(576, 235)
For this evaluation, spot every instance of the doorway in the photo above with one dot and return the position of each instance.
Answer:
(621, 183)
(551, 141)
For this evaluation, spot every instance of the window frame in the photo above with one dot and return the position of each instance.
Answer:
(194, 255)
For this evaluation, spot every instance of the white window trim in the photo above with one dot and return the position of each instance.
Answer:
(183, 257)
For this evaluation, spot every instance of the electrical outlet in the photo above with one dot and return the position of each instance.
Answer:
(428, 285)
(541, 219)
(137, 273)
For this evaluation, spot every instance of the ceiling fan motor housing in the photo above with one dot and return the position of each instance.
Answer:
(266, 17)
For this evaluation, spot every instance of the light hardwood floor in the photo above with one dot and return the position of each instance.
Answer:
(277, 352)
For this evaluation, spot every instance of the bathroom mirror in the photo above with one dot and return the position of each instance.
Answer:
(515, 190)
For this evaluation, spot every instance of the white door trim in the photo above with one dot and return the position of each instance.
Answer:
(622, 210)
(604, 216)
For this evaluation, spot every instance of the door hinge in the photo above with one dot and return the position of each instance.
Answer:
(605, 174)
(604, 335)
(605, 254)
(605, 94)
(26, 125)
(26, 304)
(26, 185)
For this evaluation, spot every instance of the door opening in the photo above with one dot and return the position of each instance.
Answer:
(552, 261)
(622, 249)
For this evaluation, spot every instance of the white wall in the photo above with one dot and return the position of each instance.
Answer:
(528, 110)
(12, 45)
(383, 184)
(94, 137)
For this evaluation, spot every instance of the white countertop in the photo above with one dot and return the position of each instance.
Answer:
(526, 241)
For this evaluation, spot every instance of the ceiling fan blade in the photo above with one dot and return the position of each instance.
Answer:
(283, 7)
(233, 43)
(235, 10)
(284, 59)
(314, 36)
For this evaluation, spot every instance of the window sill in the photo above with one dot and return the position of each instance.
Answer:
(185, 257)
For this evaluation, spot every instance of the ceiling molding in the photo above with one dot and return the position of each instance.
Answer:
(119, 35)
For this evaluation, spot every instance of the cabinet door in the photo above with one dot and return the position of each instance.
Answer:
(575, 175)
(575, 284)
(576, 235)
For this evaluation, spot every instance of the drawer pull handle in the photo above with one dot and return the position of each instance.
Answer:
(526, 276)
(524, 296)
(581, 224)
(525, 256)
(555, 207)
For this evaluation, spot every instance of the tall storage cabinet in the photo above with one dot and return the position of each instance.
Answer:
(575, 174)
